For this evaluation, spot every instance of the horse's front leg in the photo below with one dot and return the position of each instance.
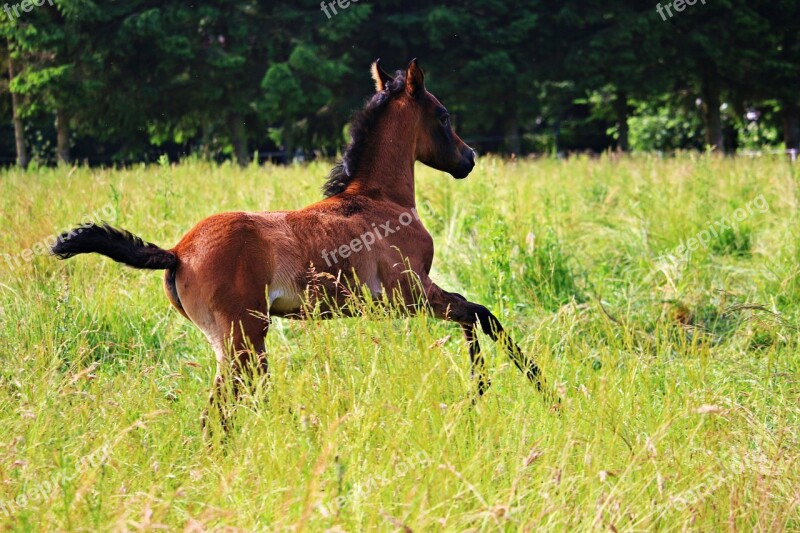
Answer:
(477, 363)
(455, 308)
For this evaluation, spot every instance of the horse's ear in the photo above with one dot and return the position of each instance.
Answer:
(415, 79)
(379, 76)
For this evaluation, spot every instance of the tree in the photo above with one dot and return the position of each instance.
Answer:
(19, 130)
(614, 56)
(48, 42)
(777, 73)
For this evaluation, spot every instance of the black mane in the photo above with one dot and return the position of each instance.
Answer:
(360, 126)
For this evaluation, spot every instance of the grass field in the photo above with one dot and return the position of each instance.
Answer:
(680, 373)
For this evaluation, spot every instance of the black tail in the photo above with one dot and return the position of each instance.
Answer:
(119, 245)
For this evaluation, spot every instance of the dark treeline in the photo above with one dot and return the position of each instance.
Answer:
(126, 80)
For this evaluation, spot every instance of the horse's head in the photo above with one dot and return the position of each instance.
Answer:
(438, 146)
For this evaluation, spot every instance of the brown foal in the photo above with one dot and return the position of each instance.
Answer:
(233, 271)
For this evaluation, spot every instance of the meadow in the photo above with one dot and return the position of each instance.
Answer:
(678, 369)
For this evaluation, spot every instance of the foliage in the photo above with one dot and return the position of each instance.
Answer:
(664, 126)
(227, 78)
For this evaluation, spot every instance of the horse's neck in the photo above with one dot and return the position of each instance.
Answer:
(387, 167)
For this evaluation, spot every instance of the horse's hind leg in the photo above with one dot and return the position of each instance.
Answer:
(241, 360)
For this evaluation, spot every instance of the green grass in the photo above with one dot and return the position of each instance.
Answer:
(680, 375)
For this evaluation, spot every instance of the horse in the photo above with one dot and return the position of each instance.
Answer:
(233, 271)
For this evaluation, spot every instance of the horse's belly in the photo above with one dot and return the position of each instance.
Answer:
(283, 300)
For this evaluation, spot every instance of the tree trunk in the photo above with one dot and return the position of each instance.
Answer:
(238, 135)
(62, 136)
(19, 131)
(556, 135)
(288, 144)
(511, 134)
(205, 141)
(730, 136)
(712, 118)
(621, 110)
(791, 126)
(511, 138)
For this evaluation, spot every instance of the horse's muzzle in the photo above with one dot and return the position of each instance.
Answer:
(466, 165)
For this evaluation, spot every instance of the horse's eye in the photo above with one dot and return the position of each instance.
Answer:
(445, 120)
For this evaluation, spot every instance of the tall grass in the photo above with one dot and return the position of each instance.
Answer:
(680, 377)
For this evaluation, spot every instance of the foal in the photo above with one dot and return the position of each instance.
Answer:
(232, 271)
